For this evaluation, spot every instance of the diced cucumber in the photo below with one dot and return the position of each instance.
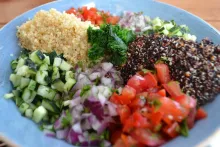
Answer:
(48, 127)
(39, 114)
(24, 82)
(69, 84)
(37, 57)
(28, 95)
(168, 26)
(25, 71)
(21, 62)
(18, 101)
(14, 64)
(51, 106)
(23, 107)
(9, 95)
(40, 77)
(29, 113)
(47, 60)
(44, 66)
(32, 106)
(32, 85)
(15, 79)
(69, 75)
(157, 22)
(17, 93)
(57, 61)
(55, 74)
(65, 66)
(31, 64)
(46, 92)
(58, 85)
(46, 118)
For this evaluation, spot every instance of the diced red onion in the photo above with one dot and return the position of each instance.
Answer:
(49, 133)
(107, 92)
(112, 109)
(107, 143)
(79, 108)
(85, 124)
(94, 122)
(106, 81)
(72, 137)
(102, 99)
(191, 118)
(94, 76)
(58, 124)
(107, 66)
(77, 128)
(101, 88)
(76, 101)
(94, 91)
(81, 138)
(62, 134)
(77, 94)
(81, 82)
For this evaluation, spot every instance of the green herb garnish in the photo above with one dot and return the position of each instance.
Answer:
(84, 90)
(66, 121)
(184, 130)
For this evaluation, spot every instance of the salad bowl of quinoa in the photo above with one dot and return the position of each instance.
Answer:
(109, 73)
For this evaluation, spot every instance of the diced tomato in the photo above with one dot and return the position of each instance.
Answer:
(140, 121)
(93, 9)
(115, 136)
(172, 109)
(128, 140)
(119, 143)
(137, 103)
(153, 90)
(124, 113)
(153, 96)
(128, 126)
(191, 118)
(150, 80)
(71, 11)
(172, 130)
(173, 88)
(113, 20)
(127, 95)
(137, 82)
(156, 118)
(167, 119)
(146, 137)
(163, 73)
(186, 101)
(162, 92)
(115, 98)
(201, 114)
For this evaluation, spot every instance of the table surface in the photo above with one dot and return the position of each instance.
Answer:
(207, 10)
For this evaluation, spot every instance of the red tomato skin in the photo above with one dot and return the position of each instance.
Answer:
(201, 114)
(139, 121)
(163, 73)
(124, 113)
(71, 11)
(128, 140)
(150, 80)
(173, 109)
(171, 130)
(145, 137)
(115, 98)
(191, 118)
(127, 95)
(119, 143)
(186, 101)
(156, 118)
(137, 103)
(162, 92)
(173, 88)
(128, 126)
(115, 136)
(136, 82)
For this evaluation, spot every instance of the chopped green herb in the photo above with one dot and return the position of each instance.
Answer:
(156, 103)
(84, 90)
(184, 130)
(66, 121)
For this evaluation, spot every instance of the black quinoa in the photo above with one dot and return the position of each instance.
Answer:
(195, 65)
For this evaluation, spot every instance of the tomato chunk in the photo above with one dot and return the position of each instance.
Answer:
(172, 109)
(163, 73)
(186, 101)
(139, 120)
(150, 80)
(119, 143)
(124, 113)
(173, 88)
(137, 82)
(162, 92)
(115, 136)
(148, 138)
(201, 114)
(156, 118)
(127, 95)
(172, 130)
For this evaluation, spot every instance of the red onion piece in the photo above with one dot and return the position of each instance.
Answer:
(62, 134)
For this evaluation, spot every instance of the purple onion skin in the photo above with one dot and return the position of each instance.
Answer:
(91, 143)
(96, 108)
(73, 136)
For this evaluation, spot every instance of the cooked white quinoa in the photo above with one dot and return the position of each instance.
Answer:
(53, 30)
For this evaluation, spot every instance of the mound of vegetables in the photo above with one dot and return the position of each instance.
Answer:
(109, 42)
(94, 15)
(153, 110)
